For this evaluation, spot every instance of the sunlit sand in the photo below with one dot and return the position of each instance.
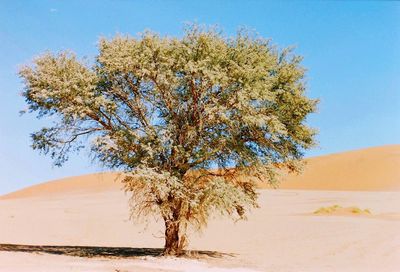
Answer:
(284, 234)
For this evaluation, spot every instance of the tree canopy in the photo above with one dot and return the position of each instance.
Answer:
(185, 118)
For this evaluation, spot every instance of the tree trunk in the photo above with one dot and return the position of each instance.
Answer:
(174, 241)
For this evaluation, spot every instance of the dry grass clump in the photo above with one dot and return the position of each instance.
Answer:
(360, 211)
(337, 209)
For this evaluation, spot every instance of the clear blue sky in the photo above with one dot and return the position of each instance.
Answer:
(352, 51)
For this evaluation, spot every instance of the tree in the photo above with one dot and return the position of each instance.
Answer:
(192, 121)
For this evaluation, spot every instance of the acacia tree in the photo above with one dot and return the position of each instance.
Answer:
(192, 120)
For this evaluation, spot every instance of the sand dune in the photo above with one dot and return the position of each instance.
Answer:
(370, 169)
(93, 183)
(284, 234)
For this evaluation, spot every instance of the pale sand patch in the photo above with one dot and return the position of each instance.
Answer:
(12, 261)
(280, 236)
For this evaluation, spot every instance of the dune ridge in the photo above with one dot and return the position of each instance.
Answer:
(369, 169)
(88, 216)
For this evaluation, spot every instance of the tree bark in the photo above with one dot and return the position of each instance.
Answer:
(173, 243)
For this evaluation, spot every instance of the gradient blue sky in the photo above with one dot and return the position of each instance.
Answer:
(352, 51)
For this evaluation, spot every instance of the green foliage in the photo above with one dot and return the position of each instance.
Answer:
(168, 110)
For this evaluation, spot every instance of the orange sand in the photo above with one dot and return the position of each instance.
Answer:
(283, 235)
(370, 169)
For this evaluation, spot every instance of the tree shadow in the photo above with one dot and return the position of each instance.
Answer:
(108, 252)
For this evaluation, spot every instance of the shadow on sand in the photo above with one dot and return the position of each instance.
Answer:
(110, 252)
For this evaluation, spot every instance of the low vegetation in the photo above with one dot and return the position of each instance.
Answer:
(337, 209)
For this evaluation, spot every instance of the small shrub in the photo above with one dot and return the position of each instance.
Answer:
(327, 210)
(339, 209)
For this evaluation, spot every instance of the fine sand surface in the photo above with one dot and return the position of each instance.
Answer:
(370, 169)
(284, 234)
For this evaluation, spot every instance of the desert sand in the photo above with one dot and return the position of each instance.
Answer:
(369, 169)
(284, 234)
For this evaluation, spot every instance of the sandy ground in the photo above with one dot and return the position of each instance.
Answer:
(283, 235)
(370, 169)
